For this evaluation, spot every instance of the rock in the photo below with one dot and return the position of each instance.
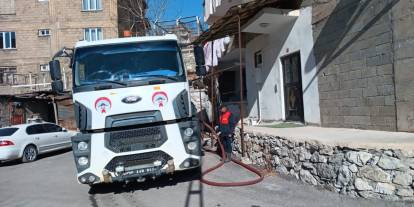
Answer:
(312, 147)
(304, 155)
(369, 194)
(288, 163)
(307, 177)
(294, 174)
(384, 188)
(282, 152)
(278, 143)
(410, 163)
(326, 150)
(353, 168)
(373, 161)
(391, 163)
(404, 154)
(281, 169)
(317, 158)
(375, 174)
(275, 161)
(344, 176)
(359, 158)
(336, 159)
(405, 192)
(388, 153)
(309, 166)
(326, 171)
(362, 185)
(403, 179)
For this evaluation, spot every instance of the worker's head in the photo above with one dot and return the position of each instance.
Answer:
(223, 108)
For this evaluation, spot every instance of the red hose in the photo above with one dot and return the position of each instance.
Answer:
(223, 156)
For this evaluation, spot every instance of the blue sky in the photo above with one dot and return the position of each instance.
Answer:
(184, 8)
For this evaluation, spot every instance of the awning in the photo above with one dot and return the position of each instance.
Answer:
(229, 23)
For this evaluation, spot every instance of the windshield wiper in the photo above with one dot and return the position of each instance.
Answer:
(160, 76)
(113, 82)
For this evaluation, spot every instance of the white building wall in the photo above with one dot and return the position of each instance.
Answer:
(274, 46)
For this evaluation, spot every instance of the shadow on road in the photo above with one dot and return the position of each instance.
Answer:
(192, 177)
(40, 157)
(161, 182)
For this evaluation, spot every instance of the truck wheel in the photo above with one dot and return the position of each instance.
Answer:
(29, 154)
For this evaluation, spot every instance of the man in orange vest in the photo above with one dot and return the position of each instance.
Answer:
(226, 127)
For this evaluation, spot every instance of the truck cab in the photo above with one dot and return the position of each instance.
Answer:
(132, 108)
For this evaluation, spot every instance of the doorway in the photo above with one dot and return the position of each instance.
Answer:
(292, 83)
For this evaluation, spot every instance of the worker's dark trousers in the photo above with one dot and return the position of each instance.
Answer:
(227, 143)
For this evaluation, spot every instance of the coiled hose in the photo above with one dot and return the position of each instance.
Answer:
(223, 156)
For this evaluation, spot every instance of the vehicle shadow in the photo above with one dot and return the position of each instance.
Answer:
(161, 182)
(40, 157)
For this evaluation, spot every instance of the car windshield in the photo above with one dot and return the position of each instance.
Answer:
(124, 63)
(7, 131)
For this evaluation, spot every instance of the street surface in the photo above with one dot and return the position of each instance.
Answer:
(51, 181)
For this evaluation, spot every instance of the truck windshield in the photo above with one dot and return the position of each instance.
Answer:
(122, 64)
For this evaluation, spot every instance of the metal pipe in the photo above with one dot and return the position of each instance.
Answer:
(241, 90)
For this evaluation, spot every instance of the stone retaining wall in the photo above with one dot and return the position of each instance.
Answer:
(368, 173)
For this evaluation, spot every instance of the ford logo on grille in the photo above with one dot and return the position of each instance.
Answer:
(131, 99)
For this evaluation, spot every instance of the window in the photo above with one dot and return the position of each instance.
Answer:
(7, 131)
(44, 68)
(93, 34)
(44, 32)
(258, 59)
(7, 75)
(35, 129)
(50, 128)
(91, 5)
(7, 40)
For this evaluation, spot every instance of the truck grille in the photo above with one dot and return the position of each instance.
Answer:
(135, 139)
(138, 159)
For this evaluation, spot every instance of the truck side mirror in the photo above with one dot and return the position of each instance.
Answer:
(57, 86)
(55, 73)
(200, 61)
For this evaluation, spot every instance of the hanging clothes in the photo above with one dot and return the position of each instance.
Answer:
(214, 51)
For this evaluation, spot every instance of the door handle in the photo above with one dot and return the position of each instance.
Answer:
(37, 138)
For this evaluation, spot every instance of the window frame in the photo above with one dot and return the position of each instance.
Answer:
(98, 34)
(3, 39)
(88, 8)
(40, 34)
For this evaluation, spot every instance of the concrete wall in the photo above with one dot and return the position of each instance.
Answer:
(353, 50)
(403, 38)
(274, 46)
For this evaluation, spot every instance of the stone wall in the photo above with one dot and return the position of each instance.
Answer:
(368, 173)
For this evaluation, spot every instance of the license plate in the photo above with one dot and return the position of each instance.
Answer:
(145, 170)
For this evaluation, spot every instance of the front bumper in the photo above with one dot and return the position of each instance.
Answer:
(108, 165)
(9, 153)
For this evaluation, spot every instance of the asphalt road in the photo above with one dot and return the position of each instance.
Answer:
(51, 181)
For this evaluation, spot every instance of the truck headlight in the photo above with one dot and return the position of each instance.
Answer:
(188, 132)
(192, 145)
(82, 146)
(82, 161)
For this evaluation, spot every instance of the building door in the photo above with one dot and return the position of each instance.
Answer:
(293, 87)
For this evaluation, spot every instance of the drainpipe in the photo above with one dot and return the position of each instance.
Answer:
(241, 90)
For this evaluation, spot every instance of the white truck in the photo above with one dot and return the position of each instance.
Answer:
(133, 109)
